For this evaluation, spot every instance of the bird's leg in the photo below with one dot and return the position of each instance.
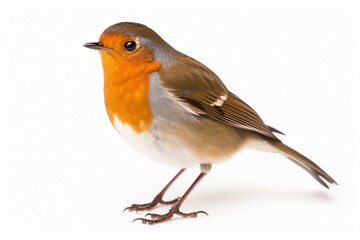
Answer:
(175, 209)
(158, 199)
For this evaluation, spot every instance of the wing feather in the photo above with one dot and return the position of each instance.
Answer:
(197, 86)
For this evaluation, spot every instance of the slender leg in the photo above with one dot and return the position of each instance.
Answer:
(175, 209)
(158, 199)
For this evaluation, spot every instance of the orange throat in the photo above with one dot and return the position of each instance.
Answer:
(126, 90)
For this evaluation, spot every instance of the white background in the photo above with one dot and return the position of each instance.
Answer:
(66, 174)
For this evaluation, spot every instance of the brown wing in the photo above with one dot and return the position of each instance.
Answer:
(204, 94)
(237, 113)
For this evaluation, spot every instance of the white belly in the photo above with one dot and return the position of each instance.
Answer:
(154, 145)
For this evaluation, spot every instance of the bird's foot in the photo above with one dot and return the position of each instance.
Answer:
(160, 218)
(148, 206)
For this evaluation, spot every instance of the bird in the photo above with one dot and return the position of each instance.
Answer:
(175, 110)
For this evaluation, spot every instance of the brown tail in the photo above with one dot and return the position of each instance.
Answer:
(313, 169)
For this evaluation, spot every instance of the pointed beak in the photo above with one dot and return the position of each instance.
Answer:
(96, 46)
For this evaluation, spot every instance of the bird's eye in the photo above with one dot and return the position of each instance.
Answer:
(130, 46)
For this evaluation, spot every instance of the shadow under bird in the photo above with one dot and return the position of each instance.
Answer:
(176, 111)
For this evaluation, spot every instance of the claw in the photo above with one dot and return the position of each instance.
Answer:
(143, 220)
(160, 218)
(141, 207)
(163, 218)
(148, 221)
(130, 209)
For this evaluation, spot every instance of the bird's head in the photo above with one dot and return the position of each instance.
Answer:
(132, 47)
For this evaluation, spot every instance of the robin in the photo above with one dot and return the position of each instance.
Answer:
(175, 110)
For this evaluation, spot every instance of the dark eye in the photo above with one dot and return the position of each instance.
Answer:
(130, 46)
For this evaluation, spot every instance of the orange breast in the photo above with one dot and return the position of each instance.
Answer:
(126, 90)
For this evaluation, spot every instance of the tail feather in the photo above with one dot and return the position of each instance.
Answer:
(302, 161)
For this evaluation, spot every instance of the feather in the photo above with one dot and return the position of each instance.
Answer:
(201, 92)
(308, 165)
